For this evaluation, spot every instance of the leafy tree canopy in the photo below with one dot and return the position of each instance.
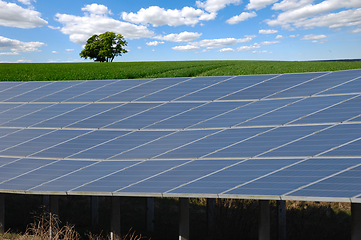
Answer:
(104, 47)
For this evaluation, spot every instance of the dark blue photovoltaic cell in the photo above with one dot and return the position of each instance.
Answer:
(6, 106)
(113, 115)
(77, 115)
(20, 167)
(344, 111)
(197, 115)
(86, 175)
(346, 185)
(234, 176)
(154, 115)
(266, 141)
(5, 160)
(120, 145)
(7, 85)
(350, 87)
(182, 89)
(21, 89)
(180, 175)
(296, 176)
(351, 149)
(165, 144)
(129, 176)
(42, 115)
(214, 142)
(295, 111)
(272, 86)
(44, 91)
(42, 143)
(227, 87)
(20, 111)
(6, 131)
(74, 91)
(80, 144)
(358, 119)
(20, 137)
(244, 113)
(320, 84)
(114, 87)
(143, 90)
(47, 173)
(320, 142)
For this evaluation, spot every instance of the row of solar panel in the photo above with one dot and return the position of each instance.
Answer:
(309, 110)
(266, 177)
(184, 89)
(295, 141)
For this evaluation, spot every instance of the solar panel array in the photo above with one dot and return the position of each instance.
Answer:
(288, 136)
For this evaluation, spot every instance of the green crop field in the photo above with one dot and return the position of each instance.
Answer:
(135, 70)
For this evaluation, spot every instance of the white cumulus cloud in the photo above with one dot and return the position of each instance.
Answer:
(279, 37)
(12, 15)
(222, 42)
(186, 48)
(227, 50)
(96, 9)
(157, 16)
(242, 17)
(268, 31)
(258, 4)
(248, 48)
(17, 46)
(80, 28)
(215, 43)
(155, 43)
(9, 53)
(181, 37)
(305, 14)
(216, 5)
(269, 42)
(290, 4)
(313, 37)
(345, 18)
(26, 2)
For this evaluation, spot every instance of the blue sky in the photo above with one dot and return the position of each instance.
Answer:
(159, 30)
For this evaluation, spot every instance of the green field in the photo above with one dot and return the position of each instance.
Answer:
(135, 70)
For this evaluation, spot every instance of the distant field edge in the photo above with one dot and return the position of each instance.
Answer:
(164, 69)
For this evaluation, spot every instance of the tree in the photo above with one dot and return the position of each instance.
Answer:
(104, 47)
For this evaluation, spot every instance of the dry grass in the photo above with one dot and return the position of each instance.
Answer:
(48, 227)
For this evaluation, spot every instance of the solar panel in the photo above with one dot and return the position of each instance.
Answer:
(287, 136)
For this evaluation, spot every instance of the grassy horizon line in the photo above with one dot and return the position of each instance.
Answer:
(163, 69)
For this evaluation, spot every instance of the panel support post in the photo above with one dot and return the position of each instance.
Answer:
(281, 220)
(356, 221)
(150, 214)
(183, 218)
(211, 206)
(2, 213)
(94, 210)
(115, 221)
(264, 220)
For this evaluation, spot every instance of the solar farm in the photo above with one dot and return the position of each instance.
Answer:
(268, 137)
